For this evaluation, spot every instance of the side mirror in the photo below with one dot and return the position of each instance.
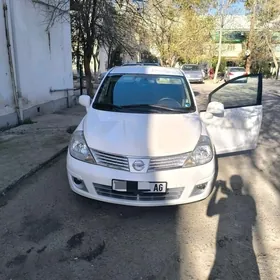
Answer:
(84, 100)
(215, 109)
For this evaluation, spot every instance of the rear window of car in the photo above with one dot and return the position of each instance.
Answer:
(190, 67)
(237, 69)
(133, 89)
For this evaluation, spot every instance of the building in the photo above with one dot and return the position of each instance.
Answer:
(36, 70)
(235, 32)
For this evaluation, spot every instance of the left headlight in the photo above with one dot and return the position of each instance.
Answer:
(202, 154)
(78, 148)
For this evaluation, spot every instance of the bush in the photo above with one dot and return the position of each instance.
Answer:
(223, 64)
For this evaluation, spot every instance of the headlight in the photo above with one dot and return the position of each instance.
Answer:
(202, 153)
(78, 148)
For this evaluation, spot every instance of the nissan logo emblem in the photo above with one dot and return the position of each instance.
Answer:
(138, 165)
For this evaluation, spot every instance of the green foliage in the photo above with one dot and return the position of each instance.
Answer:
(28, 121)
(178, 30)
(223, 64)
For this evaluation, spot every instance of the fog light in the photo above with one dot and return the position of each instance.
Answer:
(79, 184)
(198, 189)
(201, 186)
(77, 181)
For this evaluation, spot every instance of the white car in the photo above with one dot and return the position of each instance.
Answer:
(143, 141)
(234, 72)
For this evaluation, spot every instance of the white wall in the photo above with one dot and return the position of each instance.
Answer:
(103, 58)
(231, 50)
(43, 61)
(6, 93)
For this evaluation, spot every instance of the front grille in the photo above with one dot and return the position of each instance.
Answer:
(174, 193)
(156, 163)
(111, 160)
(167, 162)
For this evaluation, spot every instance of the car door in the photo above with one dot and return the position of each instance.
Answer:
(234, 114)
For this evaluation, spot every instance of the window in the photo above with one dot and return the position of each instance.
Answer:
(190, 67)
(136, 89)
(237, 69)
(239, 92)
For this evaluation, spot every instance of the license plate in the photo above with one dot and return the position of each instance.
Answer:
(151, 187)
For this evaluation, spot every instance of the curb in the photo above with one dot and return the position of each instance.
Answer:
(32, 171)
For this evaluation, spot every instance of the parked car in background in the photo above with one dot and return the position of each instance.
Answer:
(233, 72)
(143, 141)
(193, 73)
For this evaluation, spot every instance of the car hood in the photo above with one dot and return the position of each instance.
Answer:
(141, 134)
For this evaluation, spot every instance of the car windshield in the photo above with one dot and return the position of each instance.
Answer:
(237, 69)
(190, 67)
(145, 93)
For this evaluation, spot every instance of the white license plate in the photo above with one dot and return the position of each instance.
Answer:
(151, 187)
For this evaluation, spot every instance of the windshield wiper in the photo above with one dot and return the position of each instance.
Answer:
(154, 106)
(106, 106)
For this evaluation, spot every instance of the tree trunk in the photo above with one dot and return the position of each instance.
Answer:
(173, 61)
(220, 52)
(78, 57)
(109, 54)
(273, 57)
(251, 37)
(87, 59)
(275, 62)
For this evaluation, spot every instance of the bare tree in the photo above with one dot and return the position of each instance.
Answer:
(265, 22)
(53, 10)
(93, 23)
(268, 25)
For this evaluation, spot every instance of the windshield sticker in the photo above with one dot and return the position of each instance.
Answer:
(187, 105)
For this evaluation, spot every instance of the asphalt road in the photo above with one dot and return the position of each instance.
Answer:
(48, 232)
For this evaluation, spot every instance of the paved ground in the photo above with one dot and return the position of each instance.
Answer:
(47, 232)
(26, 147)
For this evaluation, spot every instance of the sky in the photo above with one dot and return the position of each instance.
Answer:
(236, 9)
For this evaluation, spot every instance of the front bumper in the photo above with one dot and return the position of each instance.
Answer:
(181, 183)
(196, 80)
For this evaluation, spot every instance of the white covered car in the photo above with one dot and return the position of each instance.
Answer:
(143, 141)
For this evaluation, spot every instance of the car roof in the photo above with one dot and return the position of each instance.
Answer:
(141, 63)
(150, 70)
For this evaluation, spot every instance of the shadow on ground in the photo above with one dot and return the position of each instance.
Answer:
(235, 257)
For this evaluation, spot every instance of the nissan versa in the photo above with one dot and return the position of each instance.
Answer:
(143, 141)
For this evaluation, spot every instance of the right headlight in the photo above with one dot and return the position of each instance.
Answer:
(78, 148)
(202, 154)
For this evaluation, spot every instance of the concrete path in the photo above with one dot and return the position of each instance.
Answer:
(24, 149)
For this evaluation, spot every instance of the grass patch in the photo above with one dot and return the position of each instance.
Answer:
(28, 121)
